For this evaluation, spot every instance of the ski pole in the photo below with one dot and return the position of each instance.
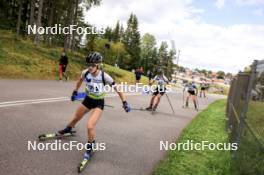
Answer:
(138, 109)
(198, 105)
(109, 106)
(170, 103)
(197, 102)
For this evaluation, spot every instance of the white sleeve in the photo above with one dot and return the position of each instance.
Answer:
(83, 73)
(155, 78)
(108, 79)
(165, 79)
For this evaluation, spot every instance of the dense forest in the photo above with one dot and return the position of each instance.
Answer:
(122, 45)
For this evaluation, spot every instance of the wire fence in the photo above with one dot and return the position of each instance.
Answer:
(245, 120)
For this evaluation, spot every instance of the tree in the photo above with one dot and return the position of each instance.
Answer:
(229, 75)
(163, 53)
(165, 58)
(203, 71)
(108, 34)
(20, 3)
(131, 41)
(116, 33)
(169, 63)
(51, 8)
(18, 14)
(122, 32)
(197, 70)
(209, 74)
(148, 49)
(38, 23)
(89, 3)
(32, 12)
(69, 21)
(182, 69)
(220, 74)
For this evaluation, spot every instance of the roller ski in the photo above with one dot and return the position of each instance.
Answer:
(153, 110)
(149, 109)
(138, 109)
(67, 132)
(142, 109)
(187, 106)
(196, 105)
(84, 162)
(86, 158)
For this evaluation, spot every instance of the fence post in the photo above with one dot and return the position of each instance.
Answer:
(247, 99)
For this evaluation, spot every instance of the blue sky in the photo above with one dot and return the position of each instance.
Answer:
(217, 34)
(231, 13)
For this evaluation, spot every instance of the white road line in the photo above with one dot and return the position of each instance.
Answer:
(46, 100)
(32, 100)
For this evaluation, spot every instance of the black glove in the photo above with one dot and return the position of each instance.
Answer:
(74, 93)
(126, 106)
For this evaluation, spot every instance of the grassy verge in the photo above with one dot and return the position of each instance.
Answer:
(209, 125)
(219, 89)
(21, 59)
(255, 118)
(249, 157)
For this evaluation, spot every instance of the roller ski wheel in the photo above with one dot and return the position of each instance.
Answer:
(84, 162)
(49, 136)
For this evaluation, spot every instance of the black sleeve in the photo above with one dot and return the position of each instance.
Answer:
(66, 60)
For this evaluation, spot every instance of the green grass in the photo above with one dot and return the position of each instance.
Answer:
(249, 157)
(21, 59)
(209, 125)
(122, 75)
(220, 89)
(255, 118)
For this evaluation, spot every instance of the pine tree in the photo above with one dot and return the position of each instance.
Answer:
(108, 34)
(131, 41)
(38, 23)
(148, 51)
(163, 53)
(116, 32)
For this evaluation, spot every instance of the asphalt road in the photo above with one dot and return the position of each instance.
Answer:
(132, 139)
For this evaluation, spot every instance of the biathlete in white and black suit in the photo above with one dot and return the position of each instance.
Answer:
(192, 93)
(95, 80)
(161, 80)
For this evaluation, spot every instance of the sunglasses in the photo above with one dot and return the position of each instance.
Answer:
(91, 65)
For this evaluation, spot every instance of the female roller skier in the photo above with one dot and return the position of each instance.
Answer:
(95, 80)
